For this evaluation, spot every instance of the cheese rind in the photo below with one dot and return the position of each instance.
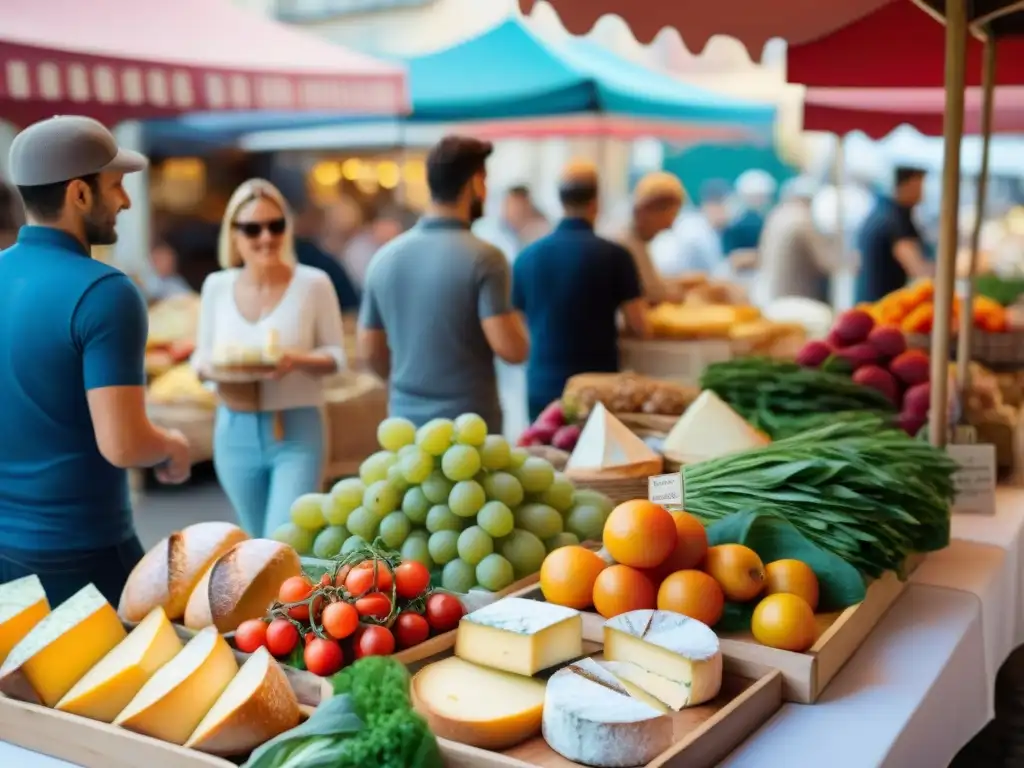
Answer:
(589, 718)
(710, 429)
(174, 701)
(520, 636)
(62, 647)
(474, 705)
(23, 604)
(108, 687)
(625, 675)
(681, 655)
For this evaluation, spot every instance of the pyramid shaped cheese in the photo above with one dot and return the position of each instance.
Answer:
(710, 429)
(110, 685)
(61, 648)
(257, 705)
(607, 444)
(23, 604)
(178, 696)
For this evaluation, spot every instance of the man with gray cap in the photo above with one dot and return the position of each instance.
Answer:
(73, 338)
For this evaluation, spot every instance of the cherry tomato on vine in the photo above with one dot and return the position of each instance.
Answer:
(375, 604)
(294, 590)
(410, 629)
(251, 635)
(323, 657)
(339, 580)
(443, 611)
(282, 637)
(411, 579)
(375, 641)
(340, 620)
(360, 579)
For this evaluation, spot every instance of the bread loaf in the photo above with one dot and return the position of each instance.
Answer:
(241, 584)
(167, 575)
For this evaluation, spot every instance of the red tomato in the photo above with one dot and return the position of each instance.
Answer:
(411, 579)
(251, 635)
(444, 611)
(294, 590)
(375, 641)
(375, 604)
(325, 580)
(411, 629)
(282, 637)
(339, 580)
(323, 657)
(340, 620)
(360, 579)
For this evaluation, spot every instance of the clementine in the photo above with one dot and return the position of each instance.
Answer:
(737, 569)
(568, 574)
(793, 577)
(784, 621)
(693, 594)
(690, 550)
(620, 589)
(640, 534)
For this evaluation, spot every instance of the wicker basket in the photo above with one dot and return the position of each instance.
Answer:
(648, 423)
(617, 489)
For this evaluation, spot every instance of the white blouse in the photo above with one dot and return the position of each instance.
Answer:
(306, 319)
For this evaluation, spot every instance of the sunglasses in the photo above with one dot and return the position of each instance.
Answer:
(253, 229)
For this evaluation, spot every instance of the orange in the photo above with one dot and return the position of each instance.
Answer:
(640, 534)
(690, 550)
(784, 621)
(737, 569)
(620, 589)
(793, 577)
(693, 594)
(568, 574)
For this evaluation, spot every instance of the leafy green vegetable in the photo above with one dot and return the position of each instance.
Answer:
(333, 720)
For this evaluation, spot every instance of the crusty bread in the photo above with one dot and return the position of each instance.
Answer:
(167, 575)
(241, 584)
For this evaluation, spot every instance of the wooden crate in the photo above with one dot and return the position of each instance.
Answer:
(805, 675)
(704, 734)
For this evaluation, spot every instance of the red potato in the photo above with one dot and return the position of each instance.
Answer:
(834, 341)
(911, 367)
(887, 341)
(858, 355)
(814, 353)
(911, 423)
(853, 326)
(878, 378)
(917, 400)
(552, 416)
(566, 437)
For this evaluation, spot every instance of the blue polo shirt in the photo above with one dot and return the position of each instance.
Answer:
(743, 232)
(68, 324)
(880, 272)
(570, 285)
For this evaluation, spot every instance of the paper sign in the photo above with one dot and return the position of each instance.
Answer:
(975, 480)
(666, 490)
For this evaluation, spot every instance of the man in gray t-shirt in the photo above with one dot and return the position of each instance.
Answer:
(436, 306)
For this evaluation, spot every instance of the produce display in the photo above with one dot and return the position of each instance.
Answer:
(912, 310)
(625, 393)
(172, 332)
(698, 321)
(553, 428)
(473, 510)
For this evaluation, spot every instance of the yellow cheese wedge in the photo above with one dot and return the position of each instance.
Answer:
(654, 690)
(478, 706)
(109, 686)
(178, 696)
(257, 705)
(23, 604)
(710, 429)
(61, 648)
(520, 636)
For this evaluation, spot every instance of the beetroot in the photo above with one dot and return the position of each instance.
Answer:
(834, 341)
(853, 326)
(887, 341)
(917, 400)
(911, 423)
(878, 378)
(553, 416)
(566, 437)
(858, 355)
(813, 354)
(911, 367)
(538, 434)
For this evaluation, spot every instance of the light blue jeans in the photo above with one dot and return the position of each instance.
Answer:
(262, 475)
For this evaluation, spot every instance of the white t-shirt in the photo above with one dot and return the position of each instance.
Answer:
(307, 319)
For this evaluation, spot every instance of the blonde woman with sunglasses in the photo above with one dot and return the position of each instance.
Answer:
(268, 440)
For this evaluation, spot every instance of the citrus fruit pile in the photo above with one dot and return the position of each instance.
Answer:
(660, 559)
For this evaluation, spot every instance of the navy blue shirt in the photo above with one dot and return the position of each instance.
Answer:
(880, 272)
(68, 324)
(743, 232)
(310, 254)
(570, 285)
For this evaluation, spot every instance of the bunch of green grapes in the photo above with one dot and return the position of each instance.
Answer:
(477, 512)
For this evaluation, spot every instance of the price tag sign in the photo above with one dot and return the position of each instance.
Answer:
(666, 490)
(975, 480)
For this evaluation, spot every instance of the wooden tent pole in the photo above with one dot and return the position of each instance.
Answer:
(953, 126)
(963, 349)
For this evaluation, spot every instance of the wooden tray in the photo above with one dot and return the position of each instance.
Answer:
(805, 675)
(704, 734)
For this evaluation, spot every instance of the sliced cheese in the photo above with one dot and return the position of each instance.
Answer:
(520, 636)
(62, 647)
(625, 673)
(474, 705)
(108, 687)
(257, 705)
(606, 442)
(710, 429)
(590, 718)
(680, 655)
(174, 701)
(23, 604)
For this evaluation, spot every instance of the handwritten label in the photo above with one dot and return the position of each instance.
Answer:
(666, 490)
(975, 480)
